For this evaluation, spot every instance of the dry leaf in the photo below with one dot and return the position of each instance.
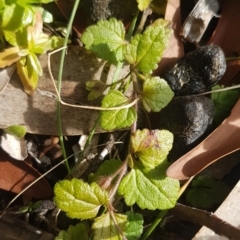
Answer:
(223, 141)
(227, 36)
(174, 50)
(16, 175)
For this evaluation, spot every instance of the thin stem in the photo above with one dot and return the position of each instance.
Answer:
(145, 14)
(59, 83)
(154, 225)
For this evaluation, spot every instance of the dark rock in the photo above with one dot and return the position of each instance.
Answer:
(197, 71)
(96, 10)
(189, 119)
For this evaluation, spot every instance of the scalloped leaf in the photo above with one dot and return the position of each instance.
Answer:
(150, 189)
(134, 226)
(151, 146)
(117, 118)
(156, 94)
(145, 50)
(79, 199)
(73, 233)
(106, 39)
(204, 192)
(104, 227)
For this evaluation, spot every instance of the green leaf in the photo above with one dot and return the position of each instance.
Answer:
(224, 102)
(150, 189)
(2, 5)
(28, 76)
(204, 192)
(104, 227)
(134, 226)
(106, 39)
(96, 87)
(143, 4)
(156, 94)
(35, 64)
(106, 168)
(116, 118)
(79, 199)
(76, 232)
(16, 130)
(18, 38)
(15, 17)
(151, 146)
(9, 56)
(145, 50)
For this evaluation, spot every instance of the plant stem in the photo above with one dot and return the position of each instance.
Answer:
(154, 224)
(59, 83)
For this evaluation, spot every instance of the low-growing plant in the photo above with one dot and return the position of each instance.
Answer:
(140, 178)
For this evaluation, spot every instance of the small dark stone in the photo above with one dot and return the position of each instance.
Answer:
(189, 119)
(197, 71)
(97, 10)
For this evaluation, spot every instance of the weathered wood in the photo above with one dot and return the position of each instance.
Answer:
(38, 112)
(13, 228)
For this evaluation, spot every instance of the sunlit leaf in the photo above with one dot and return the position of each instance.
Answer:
(134, 226)
(106, 39)
(9, 56)
(150, 189)
(15, 16)
(104, 227)
(76, 232)
(16, 130)
(145, 50)
(35, 64)
(156, 94)
(143, 4)
(79, 199)
(29, 78)
(116, 118)
(151, 146)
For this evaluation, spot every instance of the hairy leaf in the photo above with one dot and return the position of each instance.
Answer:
(156, 94)
(16, 130)
(116, 118)
(150, 189)
(104, 227)
(79, 199)
(134, 226)
(204, 192)
(151, 146)
(106, 39)
(145, 50)
(74, 233)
